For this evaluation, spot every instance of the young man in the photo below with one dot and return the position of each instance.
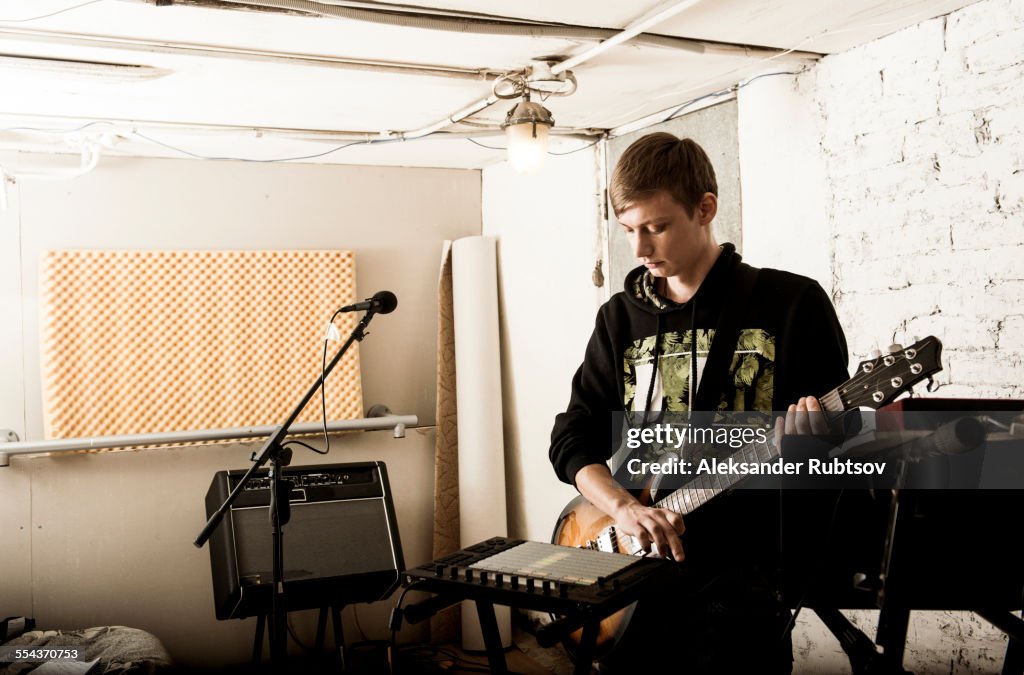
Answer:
(647, 354)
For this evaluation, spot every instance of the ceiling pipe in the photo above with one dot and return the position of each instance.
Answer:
(488, 24)
(482, 24)
(662, 12)
(89, 148)
(124, 126)
(255, 55)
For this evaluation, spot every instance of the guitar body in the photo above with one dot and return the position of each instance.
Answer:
(581, 525)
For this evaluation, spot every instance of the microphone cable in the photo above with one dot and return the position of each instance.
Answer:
(323, 394)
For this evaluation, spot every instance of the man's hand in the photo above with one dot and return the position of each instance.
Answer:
(646, 524)
(803, 417)
(650, 525)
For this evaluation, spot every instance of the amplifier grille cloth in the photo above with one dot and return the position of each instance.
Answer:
(322, 540)
(146, 341)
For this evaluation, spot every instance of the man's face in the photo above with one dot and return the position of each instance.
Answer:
(666, 239)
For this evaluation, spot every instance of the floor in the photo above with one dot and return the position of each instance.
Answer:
(524, 657)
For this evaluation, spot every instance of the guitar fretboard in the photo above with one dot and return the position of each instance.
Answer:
(706, 486)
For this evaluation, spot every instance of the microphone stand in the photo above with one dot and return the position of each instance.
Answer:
(280, 511)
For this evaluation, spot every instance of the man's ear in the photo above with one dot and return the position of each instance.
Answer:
(707, 208)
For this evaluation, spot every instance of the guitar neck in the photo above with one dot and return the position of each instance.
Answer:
(707, 486)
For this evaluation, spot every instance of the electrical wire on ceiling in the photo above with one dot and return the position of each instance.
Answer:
(721, 92)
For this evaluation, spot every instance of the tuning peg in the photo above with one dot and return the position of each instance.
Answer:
(874, 354)
(895, 348)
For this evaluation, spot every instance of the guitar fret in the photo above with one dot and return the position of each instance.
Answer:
(732, 479)
(767, 455)
(724, 482)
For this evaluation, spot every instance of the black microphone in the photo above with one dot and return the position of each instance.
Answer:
(383, 302)
(952, 438)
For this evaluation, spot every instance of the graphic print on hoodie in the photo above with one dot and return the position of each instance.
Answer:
(749, 385)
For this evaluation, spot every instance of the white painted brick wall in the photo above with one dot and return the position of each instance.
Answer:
(923, 140)
(922, 135)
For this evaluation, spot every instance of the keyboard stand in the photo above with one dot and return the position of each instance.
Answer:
(577, 605)
(547, 636)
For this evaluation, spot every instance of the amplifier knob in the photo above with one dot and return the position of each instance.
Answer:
(483, 578)
(439, 570)
(454, 572)
(514, 581)
(499, 578)
(546, 586)
(469, 574)
(529, 583)
(563, 590)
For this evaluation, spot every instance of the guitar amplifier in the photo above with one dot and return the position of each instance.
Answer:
(341, 544)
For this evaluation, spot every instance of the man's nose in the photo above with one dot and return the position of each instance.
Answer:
(641, 245)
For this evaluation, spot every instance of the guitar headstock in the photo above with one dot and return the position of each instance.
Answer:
(881, 379)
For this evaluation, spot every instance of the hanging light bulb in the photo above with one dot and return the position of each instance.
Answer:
(526, 126)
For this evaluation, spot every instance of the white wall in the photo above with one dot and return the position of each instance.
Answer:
(924, 160)
(548, 240)
(107, 538)
(782, 180)
(894, 174)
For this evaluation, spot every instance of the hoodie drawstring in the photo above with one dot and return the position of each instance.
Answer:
(693, 352)
(654, 369)
(657, 357)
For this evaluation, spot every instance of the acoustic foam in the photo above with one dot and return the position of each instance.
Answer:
(146, 341)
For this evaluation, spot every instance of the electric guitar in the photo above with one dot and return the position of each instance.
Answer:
(877, 382)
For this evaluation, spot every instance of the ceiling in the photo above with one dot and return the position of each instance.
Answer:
(229, 80)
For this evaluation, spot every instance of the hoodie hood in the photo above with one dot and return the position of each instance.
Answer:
(640, 288)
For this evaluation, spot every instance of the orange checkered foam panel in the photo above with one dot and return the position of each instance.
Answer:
(145, 341)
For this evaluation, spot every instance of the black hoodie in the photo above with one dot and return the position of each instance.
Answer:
(790, 345)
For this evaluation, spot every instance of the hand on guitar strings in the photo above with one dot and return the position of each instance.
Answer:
(646, 525)
(803, 417)
(652, 526)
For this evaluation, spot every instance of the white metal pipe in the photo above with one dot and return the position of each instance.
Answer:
(125, 127)
(655, 16)
(90, 151)
(238, 54)
(454, 118)
(459, 22)
(199, 436)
